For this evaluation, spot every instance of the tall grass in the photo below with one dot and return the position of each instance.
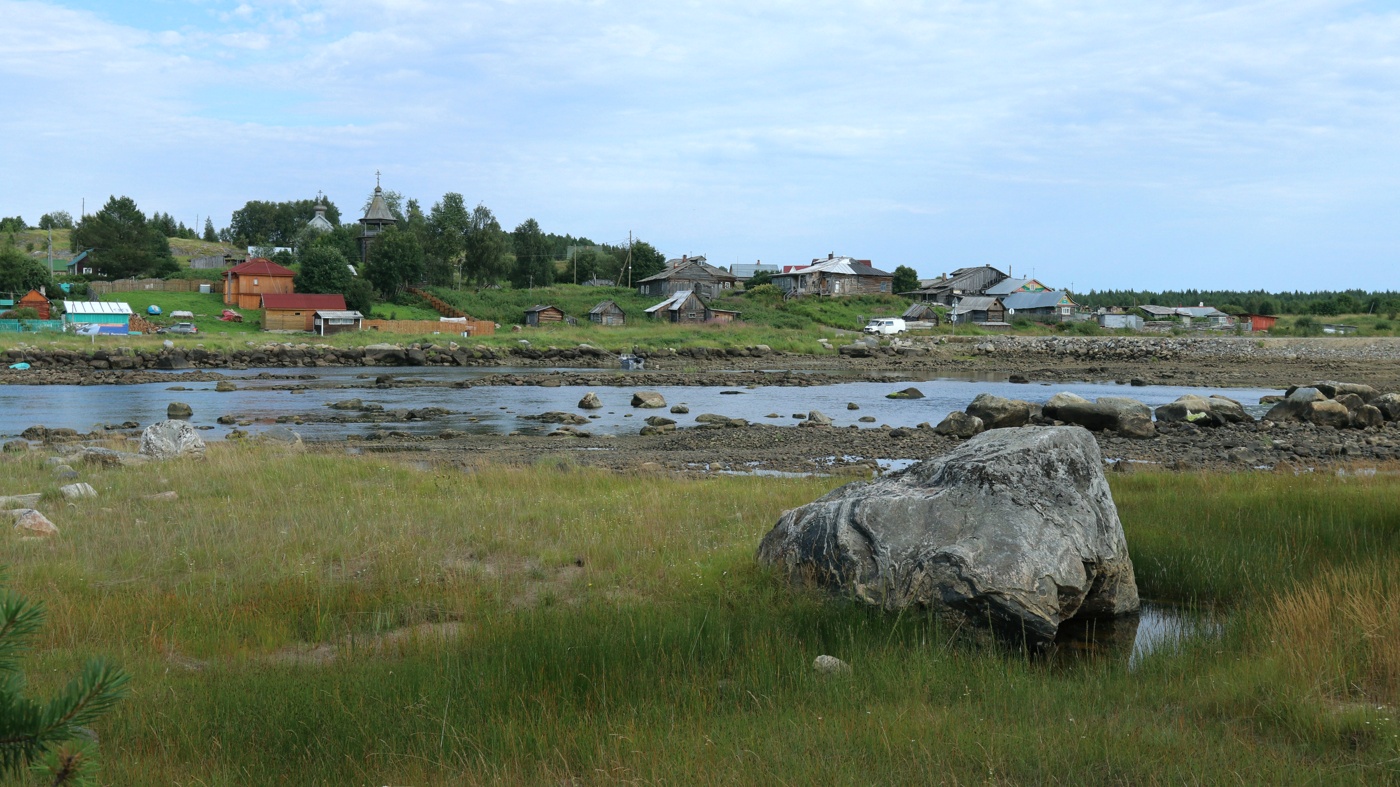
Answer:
(326, 619)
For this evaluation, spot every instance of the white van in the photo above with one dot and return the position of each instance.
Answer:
(886, 326)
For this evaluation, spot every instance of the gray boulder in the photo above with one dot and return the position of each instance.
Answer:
(179, 410)
(16, 446)
(225, 386)
(76, 491)
(558, 417)
(1349, 400)
(347, 404)
(590, 401)
(282, 436)
(907, 393)
(816, 418)
(960, 425)
(1128, 417)
(679, 409)
(1016, 529)
(1332, 389)
(830, 665)
(1367, 417)
(1329, 413)
(648, 399)
(1295, 406)
(1389, 405)
(1000, 413)
(171, 440)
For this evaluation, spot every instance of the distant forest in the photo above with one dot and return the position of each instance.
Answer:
(1255, 301)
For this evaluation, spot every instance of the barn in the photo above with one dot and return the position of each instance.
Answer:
(296, 311)
(607, 313)
(35, 300)
(535, 316)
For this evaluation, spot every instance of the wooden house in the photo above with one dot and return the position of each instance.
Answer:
(297, 311)
(245, 284)
(607, 313)
(326, 322)
(1008, 286)
(35, 300)
(960, 283)
(922, 313)
(535, 316)
(1049, 305)
(688, 274)
(835, 277)
(978, 309)
(687, 307)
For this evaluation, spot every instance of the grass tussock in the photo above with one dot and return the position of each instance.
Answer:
(326, 619)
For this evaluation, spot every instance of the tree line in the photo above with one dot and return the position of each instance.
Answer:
(1323, 303)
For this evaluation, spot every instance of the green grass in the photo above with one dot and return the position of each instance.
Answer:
(668, 655)
(206, 309)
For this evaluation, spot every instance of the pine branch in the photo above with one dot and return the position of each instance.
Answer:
(19, 620)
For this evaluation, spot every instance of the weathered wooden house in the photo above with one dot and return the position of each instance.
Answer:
(607, 313)
(922, 313)
(535, 316)
(687, 307)
(688, 274)
(960, 283)
(38, 302)
(978, 309)
(245, 284)
(835, 277)
(297, 311)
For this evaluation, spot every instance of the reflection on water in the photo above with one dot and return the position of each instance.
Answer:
(1157, 628)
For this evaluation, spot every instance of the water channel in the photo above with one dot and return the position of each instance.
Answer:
(499, 409)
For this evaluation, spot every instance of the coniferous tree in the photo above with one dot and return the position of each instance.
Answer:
(44, 735)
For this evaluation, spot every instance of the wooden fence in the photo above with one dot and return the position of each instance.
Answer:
(153, 285)
(470, 327)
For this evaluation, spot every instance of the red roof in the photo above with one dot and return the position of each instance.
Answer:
(260, 267)
(287, 300)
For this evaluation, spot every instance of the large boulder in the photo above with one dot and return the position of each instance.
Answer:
(999, 413)
(1329, 413)
(816, 418)
(1367, 417)
(1332, 389)
(1015, 528)
(171, 439)
(959, 424)
(178, 410)
(590, 401)
(1128, 417)
(1389, 405)
(1296, 406)
(648, 399)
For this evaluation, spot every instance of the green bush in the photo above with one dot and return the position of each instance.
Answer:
(1306, 326)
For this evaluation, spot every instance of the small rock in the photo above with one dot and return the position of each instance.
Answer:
(226, 420)
(960, 425)
(16, 446)
(281, 435)
(225, 386)
(20, 501)
(659, 420)
(170, 440)
(852, 406)
(31, 522)
(179, 410)
(867, 419)
(649, 399)
(907, 393)
(77, 491)
(816, 418)
(680, 409)
(590, 401)
(830, 665)
(64, 472)
(164, 497)
(347, 404)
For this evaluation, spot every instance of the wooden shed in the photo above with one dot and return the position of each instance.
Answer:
(331, 321)
(535, 316)
(35, 300)
(247, 283)
(607, 313)
(296, 311)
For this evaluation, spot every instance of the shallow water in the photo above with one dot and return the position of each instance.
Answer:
(1157, 628)
(498, 409)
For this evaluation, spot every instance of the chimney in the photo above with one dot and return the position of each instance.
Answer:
(830, 255)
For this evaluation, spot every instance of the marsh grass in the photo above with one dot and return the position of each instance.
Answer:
(325, 619)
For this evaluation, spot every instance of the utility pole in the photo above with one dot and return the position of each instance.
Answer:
(629, 259)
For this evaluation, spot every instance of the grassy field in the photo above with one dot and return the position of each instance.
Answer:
(318, 619)
(206, 309)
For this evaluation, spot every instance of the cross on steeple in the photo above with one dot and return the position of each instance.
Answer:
(376, 178)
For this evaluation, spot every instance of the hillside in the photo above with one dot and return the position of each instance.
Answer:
(35, 243)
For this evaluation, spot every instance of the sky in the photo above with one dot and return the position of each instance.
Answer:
(1095, 145)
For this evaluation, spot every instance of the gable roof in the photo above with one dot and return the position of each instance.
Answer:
(694, 268)
(1035, 300)
(974, 304)
(1008, 286)
(838, 265)
(259, 266)
(604, 306)
(542, 308)
(304, 301)
(673, 303)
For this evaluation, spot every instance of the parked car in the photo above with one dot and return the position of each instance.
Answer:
(179, 327)
(886, 326)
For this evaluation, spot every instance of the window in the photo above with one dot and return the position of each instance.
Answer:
(690, 316)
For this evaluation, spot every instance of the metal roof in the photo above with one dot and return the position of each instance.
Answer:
(672, 303)
(839, 265)
(693, 268)
(96, 307)
(1008, 286)
(338, 314)
(602, 307)
(258, 266)
(975, 304)
(1034, 300)
(304, 301)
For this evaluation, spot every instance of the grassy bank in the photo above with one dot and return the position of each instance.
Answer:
(351, 620)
